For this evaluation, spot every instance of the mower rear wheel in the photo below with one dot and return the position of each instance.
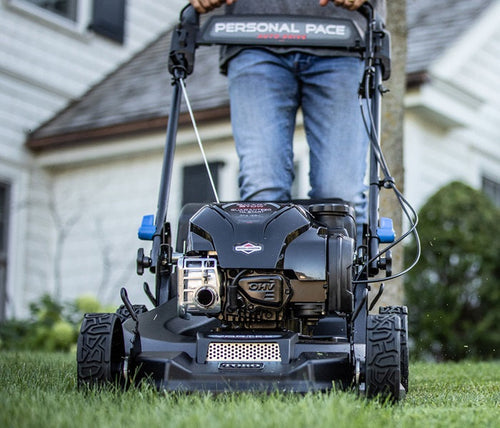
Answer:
(383, 356)
(402, 312)
(100, 350)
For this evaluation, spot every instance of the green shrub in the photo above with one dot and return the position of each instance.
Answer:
(454, 291)
(13, 334)
(52, 326)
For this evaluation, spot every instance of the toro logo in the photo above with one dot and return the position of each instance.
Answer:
(248, 248)
(241, 366)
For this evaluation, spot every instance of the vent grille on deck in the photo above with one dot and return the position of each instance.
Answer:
(243, 352)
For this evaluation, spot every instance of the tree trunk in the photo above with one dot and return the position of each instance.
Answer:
(392, 136)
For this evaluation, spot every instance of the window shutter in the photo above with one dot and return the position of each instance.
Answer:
(108, 19)
(4, 229)
(196, 185)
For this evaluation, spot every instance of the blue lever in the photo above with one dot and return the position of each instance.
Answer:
(147, 229)
(385, 231)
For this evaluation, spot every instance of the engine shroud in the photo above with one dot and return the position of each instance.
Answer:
(267, 265)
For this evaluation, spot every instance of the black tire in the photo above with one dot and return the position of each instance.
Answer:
(124, 314)
(383, 356)
(100, 350)
(402, 312)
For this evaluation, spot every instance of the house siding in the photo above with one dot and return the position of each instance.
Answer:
(43, 66)
(99, 205)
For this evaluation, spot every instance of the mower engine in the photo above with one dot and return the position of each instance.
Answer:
(268, 265)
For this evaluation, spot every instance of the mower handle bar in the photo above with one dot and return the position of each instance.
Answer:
(189, 14)
(188, 35)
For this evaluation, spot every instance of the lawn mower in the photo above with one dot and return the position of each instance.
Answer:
(262, 296)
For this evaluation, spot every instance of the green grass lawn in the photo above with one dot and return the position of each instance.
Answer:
(39, 390)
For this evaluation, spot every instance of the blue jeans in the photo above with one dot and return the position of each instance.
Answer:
(266, 90)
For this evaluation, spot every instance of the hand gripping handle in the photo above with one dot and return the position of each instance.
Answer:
(366, 9)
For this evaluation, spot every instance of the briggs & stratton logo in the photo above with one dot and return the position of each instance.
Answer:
(248, 248)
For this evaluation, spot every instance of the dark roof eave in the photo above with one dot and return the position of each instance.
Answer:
(88, 136)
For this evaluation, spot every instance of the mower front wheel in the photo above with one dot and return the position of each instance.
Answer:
(100, 350)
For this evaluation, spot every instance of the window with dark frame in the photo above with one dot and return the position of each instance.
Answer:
(196, 185)
(107, 16)
(4, 220)
(492, 189)
(65, 8)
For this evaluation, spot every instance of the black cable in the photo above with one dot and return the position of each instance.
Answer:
(388, 182)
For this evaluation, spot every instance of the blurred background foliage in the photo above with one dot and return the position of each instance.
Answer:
(453, 294)
(52, 326)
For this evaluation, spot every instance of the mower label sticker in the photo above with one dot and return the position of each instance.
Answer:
(279, 29)
(274, 29)
(248, 248)
(251, 209)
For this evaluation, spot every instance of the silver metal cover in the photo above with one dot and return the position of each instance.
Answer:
(243, 352)
(195, 275)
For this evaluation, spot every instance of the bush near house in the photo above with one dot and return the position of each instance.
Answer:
(454, 291)
(52, 326)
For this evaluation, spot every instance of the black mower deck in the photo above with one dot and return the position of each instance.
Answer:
(234, 360)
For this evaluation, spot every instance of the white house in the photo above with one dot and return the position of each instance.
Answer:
(51, 52)
(452, 119)
(95, 167)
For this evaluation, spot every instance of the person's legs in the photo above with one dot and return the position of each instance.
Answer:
(264, 102)
(265, 91)
(334, 129)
